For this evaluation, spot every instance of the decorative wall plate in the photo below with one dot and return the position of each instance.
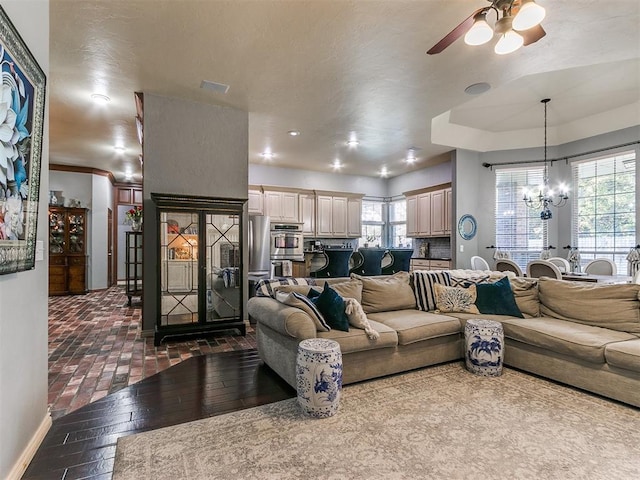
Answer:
(467, 227)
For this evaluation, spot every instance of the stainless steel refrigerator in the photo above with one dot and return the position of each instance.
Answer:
(259, 245)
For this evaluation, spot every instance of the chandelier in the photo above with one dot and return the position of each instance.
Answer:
(546, 196)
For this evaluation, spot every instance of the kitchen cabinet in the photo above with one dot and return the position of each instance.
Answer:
(437, 212)
(129, 195)
(198, 286)
(448, 208)
(67, 251)
(281, 206)
(307, 210)
(255, 203)
(412, 216)
(338, 216)
(354, 217)
(429, 213)
(426, 264)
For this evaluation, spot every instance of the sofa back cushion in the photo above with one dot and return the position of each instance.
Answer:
(525, 291)
(386, 292)
(266, 287)
(609, 306)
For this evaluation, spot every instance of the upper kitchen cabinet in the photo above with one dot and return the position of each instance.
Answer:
(429, 212)
(307, 210)
(281, 206)
(338, 216)
(255, 204)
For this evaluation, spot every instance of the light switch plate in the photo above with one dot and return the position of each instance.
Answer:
(39, 250)
(461, 248)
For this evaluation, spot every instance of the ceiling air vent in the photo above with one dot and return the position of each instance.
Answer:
(214, 86)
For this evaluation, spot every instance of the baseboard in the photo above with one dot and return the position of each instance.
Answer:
(30, 450)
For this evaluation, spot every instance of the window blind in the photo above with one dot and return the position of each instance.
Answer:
(604, 207)
(519, 229)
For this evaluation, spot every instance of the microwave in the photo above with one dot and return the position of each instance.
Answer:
(287, 242)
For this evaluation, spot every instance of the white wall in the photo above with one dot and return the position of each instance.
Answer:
(206, 156)
(23, 296)
(73, 185)
(306, 179)
(427, 177)
(102, 200)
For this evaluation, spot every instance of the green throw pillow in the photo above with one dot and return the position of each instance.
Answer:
(497, 298)
(331, 306)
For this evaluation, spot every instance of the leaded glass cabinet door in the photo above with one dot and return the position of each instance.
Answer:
(179, 247)
(223, 271)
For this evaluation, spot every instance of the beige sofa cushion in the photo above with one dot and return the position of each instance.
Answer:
(288, 321)
(415, 325)
(569, 338)
(609, 306)
(525, 291)
(624, 355)
(356, 340)
(386, 292)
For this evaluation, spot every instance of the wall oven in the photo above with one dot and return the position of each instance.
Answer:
(287, 241)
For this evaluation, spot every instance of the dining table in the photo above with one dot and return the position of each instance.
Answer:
(589, 277)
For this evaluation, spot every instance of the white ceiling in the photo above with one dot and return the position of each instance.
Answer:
(331, 67)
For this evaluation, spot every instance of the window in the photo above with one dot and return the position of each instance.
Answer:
(519, 229)
(398, 224)
(604, 208)
(372, 223)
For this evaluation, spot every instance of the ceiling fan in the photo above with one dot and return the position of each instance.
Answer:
(517, 24)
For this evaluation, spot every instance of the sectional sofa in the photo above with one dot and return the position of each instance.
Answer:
(581, 334)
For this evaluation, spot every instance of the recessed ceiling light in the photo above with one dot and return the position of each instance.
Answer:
(384, 172)
(267, 155)
(411, 156)
(119, 148)
(294, 133)
(100, 99)
(353, 143)
(336, 164)
(477, 88)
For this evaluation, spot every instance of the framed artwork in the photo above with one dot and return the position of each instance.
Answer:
(22, 100)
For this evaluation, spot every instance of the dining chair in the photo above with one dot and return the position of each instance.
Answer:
(636, 278)
(601, 266)
(479, 263)
(506, 265)
(562, 263)
(543, 268)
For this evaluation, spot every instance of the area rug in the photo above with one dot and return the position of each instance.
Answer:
(437, 423)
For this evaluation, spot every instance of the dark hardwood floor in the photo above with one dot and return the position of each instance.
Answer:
(82, 444)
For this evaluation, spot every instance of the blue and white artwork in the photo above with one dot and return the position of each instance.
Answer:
(22, 97)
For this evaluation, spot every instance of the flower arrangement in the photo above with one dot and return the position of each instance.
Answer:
(134, 214)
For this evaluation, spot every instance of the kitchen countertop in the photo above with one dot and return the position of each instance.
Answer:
(431, 258)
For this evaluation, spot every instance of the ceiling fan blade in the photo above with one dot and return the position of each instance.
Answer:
(533, 34)
(456, 33)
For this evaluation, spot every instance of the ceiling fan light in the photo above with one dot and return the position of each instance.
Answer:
(480, 33)
(529, 15)
(509, 43)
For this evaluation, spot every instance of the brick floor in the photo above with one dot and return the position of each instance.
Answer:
(96, 348)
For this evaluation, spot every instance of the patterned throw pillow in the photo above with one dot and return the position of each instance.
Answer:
(423, 283)
(455, 299)
(265, 288)
(295, 299)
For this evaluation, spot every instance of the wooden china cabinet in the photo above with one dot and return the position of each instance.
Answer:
(67, 251)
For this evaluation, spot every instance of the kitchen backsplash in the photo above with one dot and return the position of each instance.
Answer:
(438, 247)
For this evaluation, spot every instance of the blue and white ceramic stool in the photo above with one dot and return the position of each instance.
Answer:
(319, 377)
(484, 342)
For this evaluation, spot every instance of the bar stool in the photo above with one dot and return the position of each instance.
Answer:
(400, 261)
(370, 261)
(337, 263)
